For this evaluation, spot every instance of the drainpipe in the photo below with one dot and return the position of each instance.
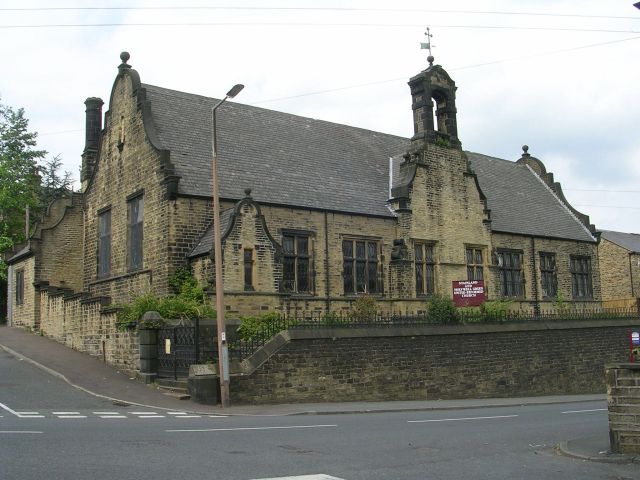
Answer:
(536, 303)
(633, 293)
(326, 264)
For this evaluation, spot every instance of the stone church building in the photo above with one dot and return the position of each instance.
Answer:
(313, 213)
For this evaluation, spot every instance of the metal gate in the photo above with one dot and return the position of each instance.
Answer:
(181, 346)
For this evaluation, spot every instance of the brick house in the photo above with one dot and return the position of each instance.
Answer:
(313, 213)
(619, 255)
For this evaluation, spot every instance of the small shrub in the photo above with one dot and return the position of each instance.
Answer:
(561, 305)
(495, 309)
(364, 309)
(441, 310)
(331, 319)
(259, 326)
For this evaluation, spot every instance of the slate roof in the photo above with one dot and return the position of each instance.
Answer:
(291, 160)
(205, 245)
(284, 159)
(630, 241)
(521, 202)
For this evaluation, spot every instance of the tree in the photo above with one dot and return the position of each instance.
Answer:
(26, 179)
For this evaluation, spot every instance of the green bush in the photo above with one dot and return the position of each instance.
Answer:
(364, 309)
(259, 326)
(441, 310)
(495, 309)
(190, 302)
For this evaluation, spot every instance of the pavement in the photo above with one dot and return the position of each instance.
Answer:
(93, 376)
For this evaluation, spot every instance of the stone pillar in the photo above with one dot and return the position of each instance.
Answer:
(623, 395)
(93, 128)
(148, 339)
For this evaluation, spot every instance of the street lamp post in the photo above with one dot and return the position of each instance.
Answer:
(223, 351)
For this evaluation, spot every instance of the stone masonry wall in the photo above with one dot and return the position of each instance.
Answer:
(80, 324)
(616, 270)
(531, 248)
(129, 164)
(623, 392)
(25, 314)
(437, 363)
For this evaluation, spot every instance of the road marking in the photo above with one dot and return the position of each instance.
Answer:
(304, 477)
(65, 413)
(585, 411)
(106, 413)
(112, 416)
(461, 419)
(217, 416)
(251, 428)
(143, 413)
(176, 413)
(72, 416)
(187, 416)
(151, 416)
(20, 431)
(21, 414)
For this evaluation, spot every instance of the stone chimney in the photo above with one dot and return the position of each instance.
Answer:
(93, 127)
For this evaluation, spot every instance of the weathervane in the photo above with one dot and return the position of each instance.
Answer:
(427, 46)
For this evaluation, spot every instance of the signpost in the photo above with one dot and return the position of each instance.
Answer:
(468, 293)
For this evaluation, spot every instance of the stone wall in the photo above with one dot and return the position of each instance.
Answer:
(623, 392)
(620, 271)
(80, 323)
(25, 314)
(447, 362)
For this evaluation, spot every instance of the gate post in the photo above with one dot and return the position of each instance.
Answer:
(148, 340)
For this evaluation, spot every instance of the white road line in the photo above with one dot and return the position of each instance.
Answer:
(304, 477)
(461, 419)
(20, 431)
(217, 416)
(251, 428)
(151, 416)
(585, 411)
(143, 413)
(176, 413)
(21, 414)
(65, 413)
(188, 416)
(106, 413)
(72, 416)
(112, 416)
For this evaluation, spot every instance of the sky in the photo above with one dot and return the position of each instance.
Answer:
(561, 76)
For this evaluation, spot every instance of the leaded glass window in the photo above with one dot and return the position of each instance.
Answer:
(548, 278)
(360, 266)
(475, 265)
(296, 268)
(581, 277)
(135, 214)
(425, 268)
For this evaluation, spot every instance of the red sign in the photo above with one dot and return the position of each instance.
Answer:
(468, 293)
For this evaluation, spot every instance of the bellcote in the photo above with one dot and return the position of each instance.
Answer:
(433, 95)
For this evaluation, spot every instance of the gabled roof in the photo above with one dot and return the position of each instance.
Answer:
(296, 161)
(522, 203)
(205, 245)
(630, 241)
(284, 159)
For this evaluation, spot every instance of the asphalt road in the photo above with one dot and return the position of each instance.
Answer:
(49, 430)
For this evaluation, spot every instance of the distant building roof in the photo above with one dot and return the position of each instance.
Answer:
(630, 241)
(297, 161)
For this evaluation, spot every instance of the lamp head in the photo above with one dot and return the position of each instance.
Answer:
(235, 90)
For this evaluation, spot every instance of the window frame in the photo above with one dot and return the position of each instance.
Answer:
(473, 267)
(248, 274)
(19, 286)
(354, 264)
(103, 258)
(135, 233)
(581, 277)
(511, 288)
(425, 268)
(298, 260)
(548, 274)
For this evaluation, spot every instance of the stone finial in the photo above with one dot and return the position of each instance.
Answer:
(124, 56)
(430, 59)
(525, 150)
(247, 192)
